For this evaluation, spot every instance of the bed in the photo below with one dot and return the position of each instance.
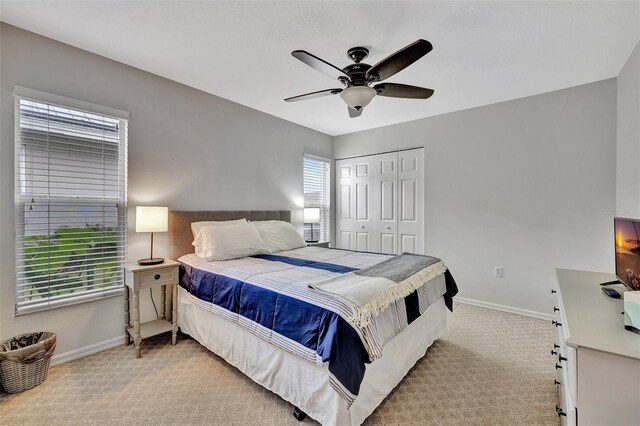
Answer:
(264, 319)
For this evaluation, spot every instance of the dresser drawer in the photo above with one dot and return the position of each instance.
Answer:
(565, 364)
(158, 276)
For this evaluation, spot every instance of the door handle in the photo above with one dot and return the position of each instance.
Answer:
(388, 227)
(362, 227)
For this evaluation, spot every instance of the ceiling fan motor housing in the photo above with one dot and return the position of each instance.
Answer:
(357, 70)
(357, 73)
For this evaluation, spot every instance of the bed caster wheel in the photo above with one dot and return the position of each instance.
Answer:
(299, 414)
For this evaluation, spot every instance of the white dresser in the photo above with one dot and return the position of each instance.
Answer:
(597, 360)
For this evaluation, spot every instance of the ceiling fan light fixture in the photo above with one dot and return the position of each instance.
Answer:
(357, 97)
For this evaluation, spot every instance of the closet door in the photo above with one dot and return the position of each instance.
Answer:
(385, 196)
(345, 204)
(363, 204)
(410, 201)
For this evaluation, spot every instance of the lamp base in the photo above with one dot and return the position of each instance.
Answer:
(151, 261)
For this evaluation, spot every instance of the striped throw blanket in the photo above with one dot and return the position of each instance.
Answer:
(369, 291)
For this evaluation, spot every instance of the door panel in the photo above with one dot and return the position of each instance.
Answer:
(362, 168)
(411, 204)
(345, 170)
(362, 201)
(387, 243)
(363, 219)
(387, 201)
(408, 244)
(345, 200)
(362, 241)
(408, 163)
(385, 181)
(408, 197)
(388, 164)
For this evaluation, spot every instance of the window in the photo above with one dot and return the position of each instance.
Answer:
(317, 193)
(71, 180)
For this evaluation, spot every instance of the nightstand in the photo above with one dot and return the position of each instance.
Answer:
(138, 277)
(324, 245)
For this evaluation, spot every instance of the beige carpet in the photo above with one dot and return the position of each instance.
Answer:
(491, 368)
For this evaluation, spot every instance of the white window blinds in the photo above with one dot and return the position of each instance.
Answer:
(317, 193)
(71, 182)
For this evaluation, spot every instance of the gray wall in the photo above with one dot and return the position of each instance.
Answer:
(187, 150)
(528, 185)
(628, 144)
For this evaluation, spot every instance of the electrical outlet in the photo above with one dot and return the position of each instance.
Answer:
(497, 271)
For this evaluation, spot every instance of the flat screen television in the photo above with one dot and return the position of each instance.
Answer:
(627, 241)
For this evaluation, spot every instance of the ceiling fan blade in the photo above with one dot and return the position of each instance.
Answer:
(353, 113)
(320, 64)
(393, 90)
(313, 95)
(398, 61)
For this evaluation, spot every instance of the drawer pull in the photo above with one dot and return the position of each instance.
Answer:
(561, 358)
(555, 382)
(553, 291)
(558, 366)
(553, 352)
(156, 277)
(556, 323)
(556, 309)
(560, 411)
(556, 346)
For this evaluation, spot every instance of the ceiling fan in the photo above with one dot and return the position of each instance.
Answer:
(358, 77)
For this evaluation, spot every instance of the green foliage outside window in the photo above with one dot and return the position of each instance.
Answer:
(71, 260)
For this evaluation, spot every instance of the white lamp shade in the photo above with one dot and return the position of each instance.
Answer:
(152, 219)
(357, 96)
(312, 215)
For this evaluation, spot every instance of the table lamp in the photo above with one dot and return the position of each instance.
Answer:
(312, 216)
(152, 219)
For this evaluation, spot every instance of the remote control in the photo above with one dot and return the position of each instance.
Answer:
(611, 293)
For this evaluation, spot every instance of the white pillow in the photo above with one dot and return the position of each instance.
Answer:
(229, 242)
(279, 236)
(197, 226)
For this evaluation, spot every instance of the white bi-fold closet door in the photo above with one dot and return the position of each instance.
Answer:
(380, 205)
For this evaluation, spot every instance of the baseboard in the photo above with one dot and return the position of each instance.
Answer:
(505, 308)
(117, 341)
(87, 350)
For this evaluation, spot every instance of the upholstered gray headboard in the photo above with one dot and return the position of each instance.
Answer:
(180, 237)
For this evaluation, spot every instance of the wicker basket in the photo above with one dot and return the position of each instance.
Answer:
(24, 360)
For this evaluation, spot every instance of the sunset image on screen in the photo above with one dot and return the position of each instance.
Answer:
(627, 234)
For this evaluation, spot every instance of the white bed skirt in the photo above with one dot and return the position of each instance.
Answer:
(303, 384)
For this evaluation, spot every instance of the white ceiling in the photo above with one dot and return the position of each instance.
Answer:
(484, 52)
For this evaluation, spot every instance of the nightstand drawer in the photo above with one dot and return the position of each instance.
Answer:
(323, 245)
(166, 275)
